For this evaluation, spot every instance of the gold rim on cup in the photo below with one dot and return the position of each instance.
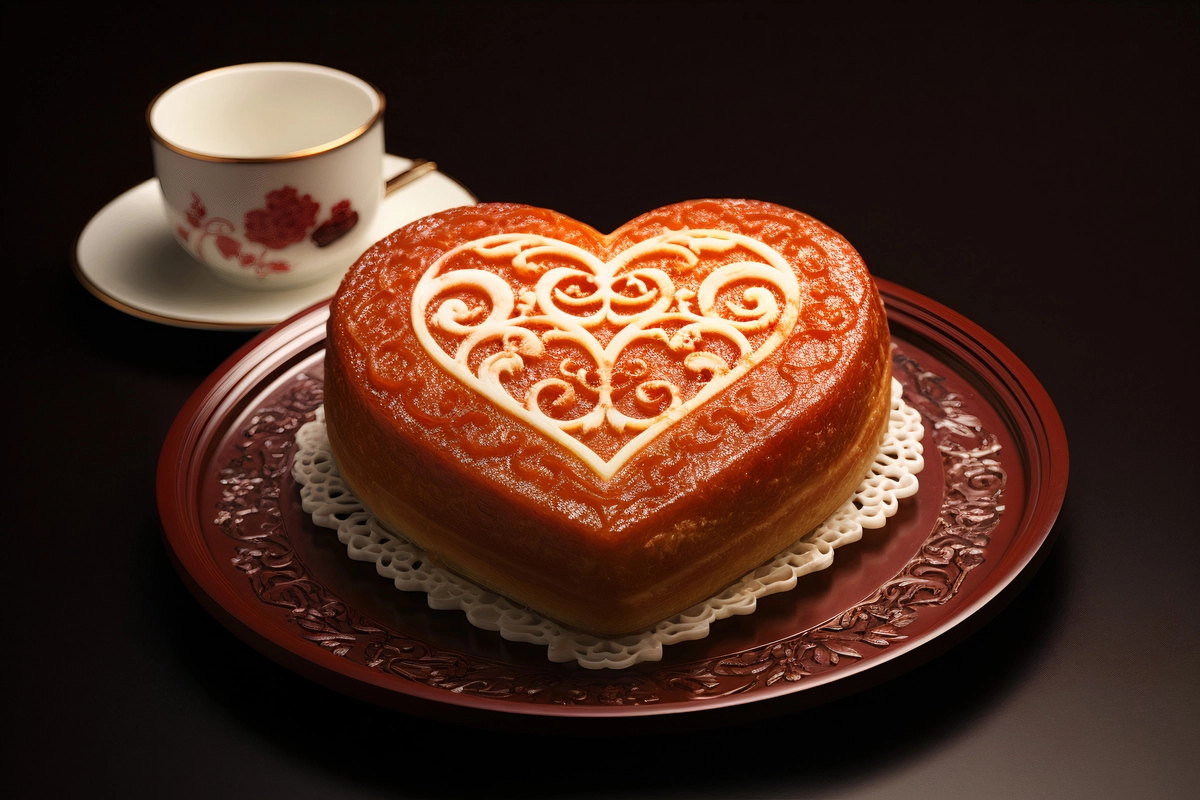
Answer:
(305, 153)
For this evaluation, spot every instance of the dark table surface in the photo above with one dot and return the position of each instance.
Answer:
(1031, 166)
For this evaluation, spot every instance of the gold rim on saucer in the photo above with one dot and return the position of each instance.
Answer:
(150, 316)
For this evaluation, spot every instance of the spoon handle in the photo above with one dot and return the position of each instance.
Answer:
(418, 168)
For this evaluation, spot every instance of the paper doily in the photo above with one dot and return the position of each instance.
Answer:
(333, 505)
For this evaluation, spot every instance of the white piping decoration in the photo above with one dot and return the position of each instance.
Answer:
(567, 305)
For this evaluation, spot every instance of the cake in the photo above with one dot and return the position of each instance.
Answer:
(610, 428)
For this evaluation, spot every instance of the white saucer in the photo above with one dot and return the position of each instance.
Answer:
(127, 257)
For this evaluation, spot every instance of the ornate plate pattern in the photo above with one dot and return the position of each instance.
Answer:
(233, 524)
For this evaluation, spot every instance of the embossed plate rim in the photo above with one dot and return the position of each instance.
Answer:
(1030, 414)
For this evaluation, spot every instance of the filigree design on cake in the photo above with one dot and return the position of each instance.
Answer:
(602, 357)
(249, 513)
(439, 410)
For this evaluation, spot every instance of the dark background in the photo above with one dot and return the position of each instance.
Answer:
(1031, 166)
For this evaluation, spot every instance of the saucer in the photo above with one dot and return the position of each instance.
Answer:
(127, 257)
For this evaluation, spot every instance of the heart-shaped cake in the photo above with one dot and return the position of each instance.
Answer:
(607, 428)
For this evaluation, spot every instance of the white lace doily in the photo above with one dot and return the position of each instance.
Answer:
(327, 497)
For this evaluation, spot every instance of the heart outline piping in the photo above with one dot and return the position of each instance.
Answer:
(543, 308)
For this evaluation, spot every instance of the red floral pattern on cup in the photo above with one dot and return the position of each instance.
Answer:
(196, 211)
(341, 219)
(286, 220)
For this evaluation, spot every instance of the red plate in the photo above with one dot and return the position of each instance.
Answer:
(970, 538)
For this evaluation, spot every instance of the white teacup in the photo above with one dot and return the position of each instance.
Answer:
(270, 172)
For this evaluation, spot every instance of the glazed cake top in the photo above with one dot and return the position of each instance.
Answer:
(609, 371)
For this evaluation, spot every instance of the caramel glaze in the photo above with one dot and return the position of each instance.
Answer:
(720, 492)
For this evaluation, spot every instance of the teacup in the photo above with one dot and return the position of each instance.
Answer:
(270, 172)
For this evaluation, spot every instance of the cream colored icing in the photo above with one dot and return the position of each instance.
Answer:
(540, 312)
